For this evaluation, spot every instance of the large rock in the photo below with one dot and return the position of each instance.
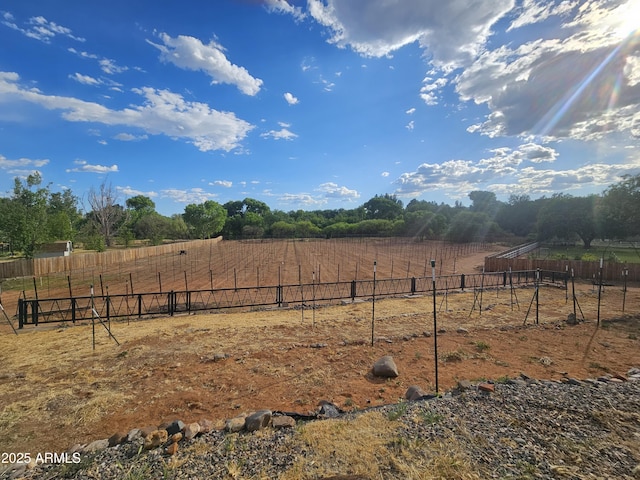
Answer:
(414, 393)
(191, 430)
(235, 424)
(258, 420)
(385, 367)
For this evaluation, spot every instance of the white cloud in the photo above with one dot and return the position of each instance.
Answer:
(128, 137)
(282, 134)
(333, 190)
(162, 113)
(85, 79)
(190, 53)
(301, 199)
(222, 183)
(385, 174)
(291, 100)
(535, 11)
(578, 82)
(21, 166)
(411, 111)
(192, 195)
(453, 33)
(110, 67)
(132, 192)
(83, 166)
(284, 7)
(510, 171)
(410, 126)
(39, 28)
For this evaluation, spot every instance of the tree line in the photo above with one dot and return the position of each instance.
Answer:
(33, 215)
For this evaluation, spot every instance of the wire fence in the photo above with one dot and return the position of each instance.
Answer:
(304, 295)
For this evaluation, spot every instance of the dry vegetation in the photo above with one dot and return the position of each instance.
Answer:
(56, 391)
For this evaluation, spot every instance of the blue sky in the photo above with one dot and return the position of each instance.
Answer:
(319, 104)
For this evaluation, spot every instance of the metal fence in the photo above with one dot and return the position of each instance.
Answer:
(79, 308)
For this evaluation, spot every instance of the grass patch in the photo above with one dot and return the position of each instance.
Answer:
(453, 356)
(482, 346)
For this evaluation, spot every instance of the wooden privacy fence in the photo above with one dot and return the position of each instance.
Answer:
(73, 309)
(611, 271)
(43, 266)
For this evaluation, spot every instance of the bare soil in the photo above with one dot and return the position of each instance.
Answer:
(56, 391)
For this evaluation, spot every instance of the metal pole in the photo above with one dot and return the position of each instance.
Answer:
(93, 321)
(600, 290)
(435, 324)
(625, 274)
(373, 303)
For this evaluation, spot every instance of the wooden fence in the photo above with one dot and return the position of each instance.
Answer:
(79, 261)
(611, 271)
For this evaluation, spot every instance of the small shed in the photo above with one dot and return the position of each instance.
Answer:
(62, 248)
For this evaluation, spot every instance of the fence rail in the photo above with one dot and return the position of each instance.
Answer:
(75, 309)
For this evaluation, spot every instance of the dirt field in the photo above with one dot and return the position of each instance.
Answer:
(56, 391)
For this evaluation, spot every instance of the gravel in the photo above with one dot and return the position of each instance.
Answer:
(524, 429)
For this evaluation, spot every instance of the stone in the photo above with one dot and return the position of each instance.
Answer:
(176, 437)
(206, 425)
(172, 449)
(258, 420)
(191, 430)
(462, 331)
(173, 427)
(426, 334)
(414, 393)
(283, 421)
(117, 438)
(134, 434)
(328, 410)
(385, 367)
(574, 381)
(96, 445)
(571, 319)
(146, 431)
(235, 424)
(486, 387)
(464, 385)
(620, 377)
(155, 439)
(442, 331)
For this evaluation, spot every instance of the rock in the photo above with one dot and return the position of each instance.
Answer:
(235, 424)
(206, 426)
(620, 377)
(385, 367)
(96, 445)
(155, 439)
(318, 345)
(574, 381)
(176, 437)
(464, 385)
(426, 334)
(414, 393)
(191, 430)
(571, 319)
(172, 449)
(134, 434)
(283, 421)
(173, 427)
(441, 331)
(462, 331)
(117, 438)
(486, 387)
(257, 420)
(328, 410)
(146, 431)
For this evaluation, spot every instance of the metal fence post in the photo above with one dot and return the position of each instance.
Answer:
(413, 285)
(21, 313)
(353, 290)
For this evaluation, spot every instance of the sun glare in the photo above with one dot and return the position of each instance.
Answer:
(627, 19)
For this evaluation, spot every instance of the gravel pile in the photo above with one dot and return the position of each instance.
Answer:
(523, 429)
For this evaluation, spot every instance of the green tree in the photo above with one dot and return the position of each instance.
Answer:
(618, 212)
(205, 219)
(24, 216)
(563, 216)
(468, 227)
(383, 207)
